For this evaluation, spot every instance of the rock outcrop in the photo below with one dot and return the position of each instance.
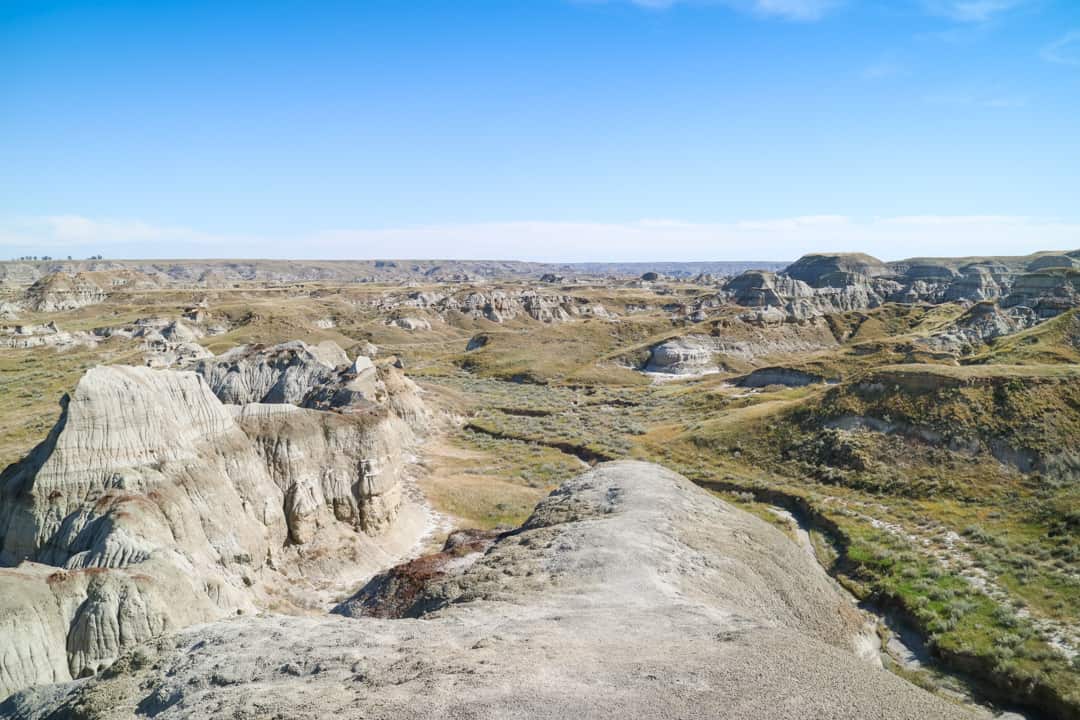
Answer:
(738, 342)
(799, 300)
(43, 335)
(980, 324)
(835, 270)
(153, 505)
(1047, 293)
(61, 291)
(628, 593)
(166, 342)
(312, 376)
(791, 377)
(821, 284)
(498, 305)
(976, 282)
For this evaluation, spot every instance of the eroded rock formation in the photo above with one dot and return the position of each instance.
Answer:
(61, 291)
(152, 505)
(497, 305)
(821, 284)
(628, 593)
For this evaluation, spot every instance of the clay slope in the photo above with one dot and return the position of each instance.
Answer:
(152, 505)
(630, 592)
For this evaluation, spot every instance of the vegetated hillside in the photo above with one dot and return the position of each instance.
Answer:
(956, 496)
(1055, 341)
(1027, 416)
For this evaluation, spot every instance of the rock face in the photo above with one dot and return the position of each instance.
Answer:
(822, 270)
(61, 291)
(1044, 262)
(44, 335)
(628, 593)
(410, 323)
(982, 323)
(798, 300)
(684, 356)
(152, 505)
(499, 306)
(166, 342)
(317, 377)
(737, 342)
(821, 284)
(976, 282)
(1048, 293)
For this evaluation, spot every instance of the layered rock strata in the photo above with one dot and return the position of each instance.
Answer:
(153, 505)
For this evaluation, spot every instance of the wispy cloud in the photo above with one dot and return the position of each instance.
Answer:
(882, 69)
(76, 235)
(972, 11)
(797, 10)
(751, 239)
(969, 100)
(1065, 50)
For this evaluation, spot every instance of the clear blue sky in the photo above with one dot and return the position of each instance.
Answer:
(547, 129)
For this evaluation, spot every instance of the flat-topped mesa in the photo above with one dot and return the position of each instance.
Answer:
(835, 270)
(152, 505)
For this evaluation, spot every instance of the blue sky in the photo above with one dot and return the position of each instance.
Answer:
(539, 129)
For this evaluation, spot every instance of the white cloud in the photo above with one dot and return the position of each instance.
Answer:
(889, 238)
(884, 68)
(799, 10)
(79, 236)
(1065, 50)
(972, 11)
(992, 102)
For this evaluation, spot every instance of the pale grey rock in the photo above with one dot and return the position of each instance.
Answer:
(62, 291)
(152, 506)
(1045, 262)
(747, 342)
(980, 324)
(628, 593)
(800, 300)
(1047, 293)
(823, 270)
(293, 372)
(412, 324)
(686, 355)
(975, 283)
(497, 305)
(43, 335)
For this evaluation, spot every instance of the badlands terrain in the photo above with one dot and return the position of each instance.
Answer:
(833, 488)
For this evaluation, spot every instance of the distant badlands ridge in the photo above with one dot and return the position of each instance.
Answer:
(23, 273)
